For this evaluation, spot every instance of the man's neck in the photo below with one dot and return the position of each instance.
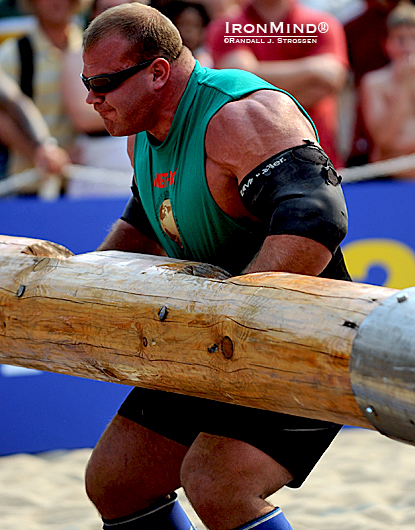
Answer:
(177, 84)
(57, 34)
(272, 10)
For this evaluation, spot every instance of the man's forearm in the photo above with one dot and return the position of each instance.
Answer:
(23, 111)
(294, 254)
(309, 79)
(125, 237)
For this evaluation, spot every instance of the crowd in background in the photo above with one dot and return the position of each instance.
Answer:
(356, 80)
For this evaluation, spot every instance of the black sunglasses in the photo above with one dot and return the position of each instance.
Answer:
(101, 84)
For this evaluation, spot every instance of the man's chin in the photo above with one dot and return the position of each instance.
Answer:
(112, 129)
(118, 129)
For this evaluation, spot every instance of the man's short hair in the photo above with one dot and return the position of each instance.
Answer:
(402, 15)
(149, 33)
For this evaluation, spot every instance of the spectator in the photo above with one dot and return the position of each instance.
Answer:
(191, 19)
(35, 61)
(23, 129)
(388, 94)
(96, 147)
(313, 72)
(366, 36)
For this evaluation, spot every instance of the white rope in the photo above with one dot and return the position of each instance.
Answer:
(377, 169)
(51, 186)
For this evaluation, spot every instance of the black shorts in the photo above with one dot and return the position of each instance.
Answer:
(295, 443)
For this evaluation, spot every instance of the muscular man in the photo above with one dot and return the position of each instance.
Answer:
(388, 94)
(228, 170)
(23, 129)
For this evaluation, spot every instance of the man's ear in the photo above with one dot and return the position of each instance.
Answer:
(160, 70)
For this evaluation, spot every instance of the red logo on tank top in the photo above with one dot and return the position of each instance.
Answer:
(162, 180)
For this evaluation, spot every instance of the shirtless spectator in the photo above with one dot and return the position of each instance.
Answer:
(366, 35)
(388, 94)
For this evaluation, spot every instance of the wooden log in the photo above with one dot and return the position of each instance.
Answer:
(274, 341)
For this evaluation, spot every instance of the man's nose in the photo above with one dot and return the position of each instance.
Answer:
(92, 97)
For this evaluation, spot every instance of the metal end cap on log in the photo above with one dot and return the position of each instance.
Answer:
(382, 366)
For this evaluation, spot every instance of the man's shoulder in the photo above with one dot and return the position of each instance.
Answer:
(257, 123)
(245, 133)
(268, 104)
(247, 94)
(233, 82)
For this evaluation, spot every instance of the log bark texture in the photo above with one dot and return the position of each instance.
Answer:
(273, 341)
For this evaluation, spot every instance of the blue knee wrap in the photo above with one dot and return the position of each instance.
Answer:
(274, 520)
(166, 514)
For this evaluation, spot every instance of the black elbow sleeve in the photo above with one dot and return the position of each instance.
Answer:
(297, 192)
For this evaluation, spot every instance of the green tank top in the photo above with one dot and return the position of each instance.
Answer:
(171, 177)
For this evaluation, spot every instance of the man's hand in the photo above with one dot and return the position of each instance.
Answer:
(50, 158)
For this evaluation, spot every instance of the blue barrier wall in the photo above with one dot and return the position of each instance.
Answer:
(42, 411)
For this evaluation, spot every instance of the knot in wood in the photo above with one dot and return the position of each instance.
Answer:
(227, 347)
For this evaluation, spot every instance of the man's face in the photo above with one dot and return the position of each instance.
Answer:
(52, 12)
(400, 43)
(190, 24)
(129, 108)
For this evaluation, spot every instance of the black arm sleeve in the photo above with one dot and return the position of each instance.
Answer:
(297, 192)
(135, 215)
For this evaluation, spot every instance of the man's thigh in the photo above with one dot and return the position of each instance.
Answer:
(131, 467)
(295, 443)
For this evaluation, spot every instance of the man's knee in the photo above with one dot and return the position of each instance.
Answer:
(219, 460)
(222, 475)
(95, 480)
(103, 477)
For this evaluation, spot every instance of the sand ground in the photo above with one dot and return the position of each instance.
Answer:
(364, 482)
